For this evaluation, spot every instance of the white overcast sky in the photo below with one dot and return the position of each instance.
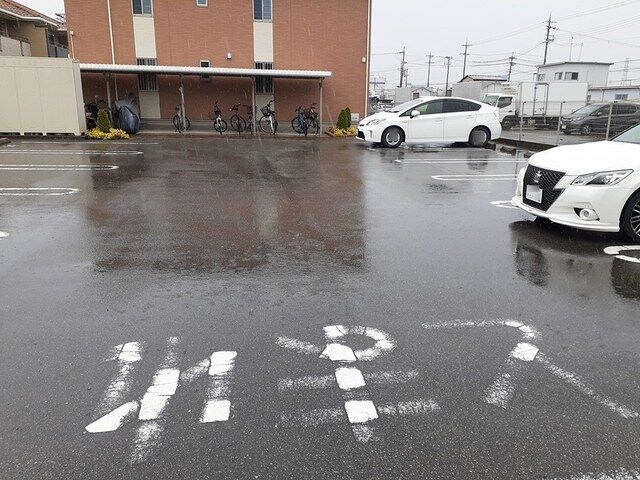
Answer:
(609, 31)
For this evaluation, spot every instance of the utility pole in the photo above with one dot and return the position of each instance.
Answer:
(430, 56)
(448, 63)
(402, 64)
(548, 39)
(511, 63)
(625, 72)
(464, 65)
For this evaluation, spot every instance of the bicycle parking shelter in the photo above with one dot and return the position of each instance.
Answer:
(253, 73)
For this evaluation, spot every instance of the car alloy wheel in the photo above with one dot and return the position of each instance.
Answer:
(630, 219)
(392, 137)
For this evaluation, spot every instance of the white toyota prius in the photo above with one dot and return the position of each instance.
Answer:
(433, 120)
(594, 186)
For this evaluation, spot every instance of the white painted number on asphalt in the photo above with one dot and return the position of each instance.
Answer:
(113, 412)
(358, 408)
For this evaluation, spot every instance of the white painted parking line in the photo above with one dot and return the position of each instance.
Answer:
(35, 191)
(457, 161)
(618, 250)
(619, 474)
(321, 382)
(476, 176)
(151, 408)
(501, 390)
(68, 152)
(4, 234)
(54, 168)
(504, 204)
(47, 142)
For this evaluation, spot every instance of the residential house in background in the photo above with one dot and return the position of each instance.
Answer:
(29, 33)
(284, 35)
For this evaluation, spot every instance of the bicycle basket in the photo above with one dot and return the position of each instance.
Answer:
(266, 111)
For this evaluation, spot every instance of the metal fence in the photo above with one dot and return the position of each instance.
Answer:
(559, 123)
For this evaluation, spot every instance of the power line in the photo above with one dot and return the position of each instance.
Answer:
(598, 10)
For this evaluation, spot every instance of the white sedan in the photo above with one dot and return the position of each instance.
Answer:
(433, 120)
(594, 186)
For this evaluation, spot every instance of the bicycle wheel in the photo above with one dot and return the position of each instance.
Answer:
(177, 122)
(315, 126)
(265, 124)
(238, 123)
(220, 126)
(187, 123)
(274, 124)
(295, 124)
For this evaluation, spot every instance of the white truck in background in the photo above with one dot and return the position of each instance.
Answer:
(540, 104)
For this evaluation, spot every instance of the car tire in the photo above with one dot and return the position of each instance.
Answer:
(479, 137)
(586, 130)
(507, 124)
(630, 218)
(392, 137)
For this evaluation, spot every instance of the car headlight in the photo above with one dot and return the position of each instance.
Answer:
(602, 178)
(375, 121)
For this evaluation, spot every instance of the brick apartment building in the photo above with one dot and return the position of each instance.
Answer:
(314, 35)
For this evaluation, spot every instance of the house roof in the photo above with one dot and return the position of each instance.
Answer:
(485, 78)
(574, 63)
(22, 12)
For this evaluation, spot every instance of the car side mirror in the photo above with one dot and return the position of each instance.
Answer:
(415, 113)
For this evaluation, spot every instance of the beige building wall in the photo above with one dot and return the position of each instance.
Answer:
(40, 95)
(263, 41)
(144, 35)
(37, 38)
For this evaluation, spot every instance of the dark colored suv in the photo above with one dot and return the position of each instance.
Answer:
(593, 118)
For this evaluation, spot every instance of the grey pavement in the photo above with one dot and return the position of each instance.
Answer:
(374, 315)
(548, 137)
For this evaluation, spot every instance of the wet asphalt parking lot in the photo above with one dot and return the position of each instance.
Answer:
(304, 309)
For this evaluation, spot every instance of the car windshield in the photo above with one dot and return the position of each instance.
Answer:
(588, 110)
(407, 105)
(491, 99)
(630, 136)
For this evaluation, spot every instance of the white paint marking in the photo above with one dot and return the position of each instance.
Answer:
(33, 191)
(196, 371)
(456, 161)
(217, 406)
(576, 382)
(298, 345)
(127, 355)
(114, 419)
(4, 234)
(360, 411)
(616, 251)
(148, 435)
(321, 382)
(502, 389)
(619, 474)
(414, 407)
(349, 378)
(68, 152)
(525, 352)
(476, 176)
(55, 168)
(337, 352)
(528, 333)
(504, 204)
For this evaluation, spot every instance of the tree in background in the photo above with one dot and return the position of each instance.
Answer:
(102, 123)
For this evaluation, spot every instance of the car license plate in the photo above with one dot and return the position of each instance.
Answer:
(534, 193)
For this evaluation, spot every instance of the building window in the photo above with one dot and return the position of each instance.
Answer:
(264, 84)
(622, 96)
(205, 64)
(262, 10)
(558, 76)
(202, 3)
(541, 77)
(142, 7)
(147, 82)
(571, 76)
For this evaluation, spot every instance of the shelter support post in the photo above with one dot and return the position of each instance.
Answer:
(183, 113)
(320, 110)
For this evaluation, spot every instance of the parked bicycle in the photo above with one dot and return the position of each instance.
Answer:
(178, 122)
(238, 124)
(311, 120)
(219, 125)
(299, 122)
(268, 122)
